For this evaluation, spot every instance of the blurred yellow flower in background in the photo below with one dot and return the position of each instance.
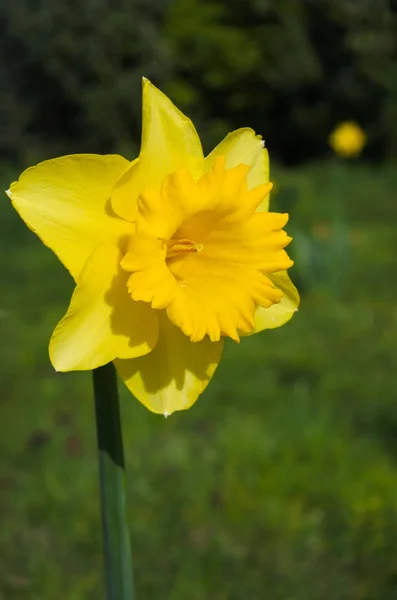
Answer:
(171, 253)
(347, 139)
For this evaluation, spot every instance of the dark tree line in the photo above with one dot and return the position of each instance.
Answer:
(70, 71)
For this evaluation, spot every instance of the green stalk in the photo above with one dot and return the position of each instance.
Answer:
(118, 566)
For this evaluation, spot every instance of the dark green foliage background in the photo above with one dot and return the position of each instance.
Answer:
(70, 74)
(281, 482)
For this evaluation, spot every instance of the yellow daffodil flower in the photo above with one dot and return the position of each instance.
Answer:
(171, 253)
(348, 139)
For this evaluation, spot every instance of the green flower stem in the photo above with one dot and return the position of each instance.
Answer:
(118, 566)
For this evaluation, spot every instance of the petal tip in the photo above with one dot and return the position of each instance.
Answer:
(60, 362)
(58, 368)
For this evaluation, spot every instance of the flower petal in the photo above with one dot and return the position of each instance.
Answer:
(278, 314)
(172, 376)
(244, 147)
(169, 142)
(102, 321)
(65, 201)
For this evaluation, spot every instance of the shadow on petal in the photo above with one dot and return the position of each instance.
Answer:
(175, 373)
(135, 323)
(102, 321)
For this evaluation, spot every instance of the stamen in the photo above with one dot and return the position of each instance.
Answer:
(181, 246)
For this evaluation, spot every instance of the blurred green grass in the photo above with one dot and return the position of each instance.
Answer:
(280, 483)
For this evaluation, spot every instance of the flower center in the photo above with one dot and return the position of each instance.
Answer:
(180, 247)
(211, 288)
